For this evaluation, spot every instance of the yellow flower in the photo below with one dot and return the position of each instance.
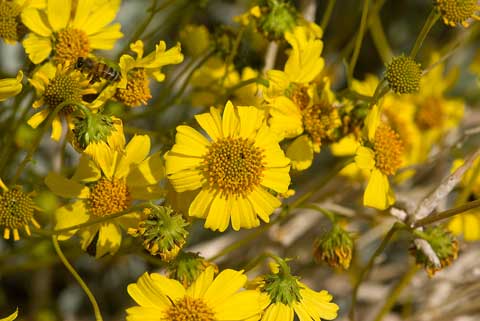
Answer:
(207, 299)
(11, 86)
(456, 12)
(382, 156)
(69, 35)
(104, 187)
(237, 168)
(196, 39)
(133, 89)
(16, 211)
(11, 317)
(53, 86)
(11, 27)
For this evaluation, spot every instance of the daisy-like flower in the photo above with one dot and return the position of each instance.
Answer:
(69, 35)
(16, 211)
(236, 169)
(11, 86)
(133, 89)
(381, 155)
(290, 297)
(209, 298)
(457, 12)
(11, 27)
(53, 86)
(106, 186)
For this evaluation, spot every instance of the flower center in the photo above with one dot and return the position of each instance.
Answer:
(70, 44)
(233, 165)
(60, 89)
(10, 24)
(320, 121)
(457, 11)
(109, 197)
(16, 209)
(388, 150)
(430, 114)
(299, 96)
(137, 91)
(403, 75)
(189, 309)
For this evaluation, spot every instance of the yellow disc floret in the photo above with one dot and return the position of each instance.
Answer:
(455, 12)
(137, 91)
(388, 150)
(403, 75)
(430, 114)
(234, 165)
(16, 211)
(320, 122)
(10, 24)
(109, 197)
(70, 44)
(187, 308)
(62, 88)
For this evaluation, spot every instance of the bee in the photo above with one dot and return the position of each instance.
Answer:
(96, 70)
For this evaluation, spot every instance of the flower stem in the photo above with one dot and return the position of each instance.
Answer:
(78, 278)
(369, 265)
(446, 214)
(431, 20)
(379, 38)
(327, 14)
(358, 41)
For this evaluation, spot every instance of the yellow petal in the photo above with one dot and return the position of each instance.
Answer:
(82, 13)
(277, 179)
(187, 180)
(38, 48)
(201, 204)
(38, 118)
(147, 293)
(372, 121)
(109, 240)
(65, 187)
(146, 193)
(300, 152)
(144, 314)
(34, 21)
(242, 211)
(211, 123)
(100, 17)
(148, 172)
(378, 193)
(263, 203)
(278, 311)
(86, 171)
(190, 142)
(68, 216)
(135, 152)
(10, 86)
(175, 163)
(251, 118)
(242, 305)
(59, 12)
(365, 158)
(11, 317)
(230, 124)
(106, 38)
(347, 146)
(171, 288)
(57, 129)
(286, 118)
(467, 224)
(218, 216)
(225, 284)
(202, 283)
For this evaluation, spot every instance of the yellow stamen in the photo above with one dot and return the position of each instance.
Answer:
(388, 150)
(70, 44)
(109, 197)
(320, 122)
(137, 91)
(455, 12)
(233, 165)
(16, 210)
(187, 309)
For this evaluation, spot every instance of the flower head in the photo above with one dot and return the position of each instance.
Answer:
(187, 266)
(16, 211)
(54, 86)
(403, 75)
(11, 27)
(69, 35)
(11, 86)
(209, 298)
(456, 12)
(104, 186)
(335, 248)
(236, 169)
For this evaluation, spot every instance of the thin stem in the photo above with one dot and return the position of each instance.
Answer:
(358, 41)
(446, 214)
(369, 265)
(429, 23)
(83, 285)
(327, 14)
(379, 38)
(395, 292)
(328, 214)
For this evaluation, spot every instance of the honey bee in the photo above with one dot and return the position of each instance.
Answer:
(96, 70)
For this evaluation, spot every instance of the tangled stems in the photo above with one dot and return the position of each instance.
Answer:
(327, 14)
(78, 278)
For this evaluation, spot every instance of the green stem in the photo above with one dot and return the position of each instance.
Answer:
(429, 23)
(446, 214)
(83, 285)
(369, 265)
(379, 38)
(328, 214)
(395, 293)
(327, 14)
(358, 41)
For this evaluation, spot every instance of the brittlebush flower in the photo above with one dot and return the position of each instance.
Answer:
(69, 35)
(54, 86)
(236, 169)
(105, 186)
(456, 12)
(133, 89)
(11, 27)
(10, 87)
(207, 299)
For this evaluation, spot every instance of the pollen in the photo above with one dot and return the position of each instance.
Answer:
(320, 122)
(137, 92)
(430, 114)
(11, 28)
(388, 150)
(187, 309)
(109, 197)
(403, 75)
(61, 88)
(70, 44)
(455, 12)
(16, 211)
(234, 165)
(300, 97)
